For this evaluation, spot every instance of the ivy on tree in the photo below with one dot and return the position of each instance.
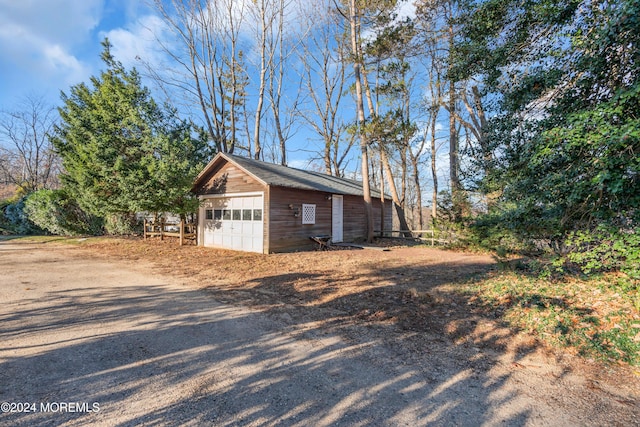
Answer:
(564, 80)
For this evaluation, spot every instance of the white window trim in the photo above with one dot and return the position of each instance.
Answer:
(308, 213)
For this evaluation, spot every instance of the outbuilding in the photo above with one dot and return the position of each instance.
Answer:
(254, 206)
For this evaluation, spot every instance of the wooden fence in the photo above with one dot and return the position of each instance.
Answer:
(443, 237)
(182, 230)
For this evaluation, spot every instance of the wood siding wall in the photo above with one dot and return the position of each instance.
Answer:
(229, 179)
(355, 225)
(287, 233)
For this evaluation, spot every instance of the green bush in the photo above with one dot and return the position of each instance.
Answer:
(16, 220)
(122, 224)
(491, 232)
(604, 249)
(56, 213)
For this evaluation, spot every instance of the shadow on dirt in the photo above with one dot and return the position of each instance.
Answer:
(178, 356)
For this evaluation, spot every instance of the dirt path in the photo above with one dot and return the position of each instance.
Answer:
(126, 346)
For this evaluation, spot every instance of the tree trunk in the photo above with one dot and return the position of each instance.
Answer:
(434, 170)
(263, 71)
(454, 162)
(416, 180)
(404, 227)
(364, 145)
(453, 142)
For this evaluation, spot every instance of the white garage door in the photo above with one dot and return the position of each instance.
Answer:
(234, 223)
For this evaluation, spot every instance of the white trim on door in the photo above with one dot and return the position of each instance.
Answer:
(337, 218)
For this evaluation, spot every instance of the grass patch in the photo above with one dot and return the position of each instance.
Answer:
(597, 317)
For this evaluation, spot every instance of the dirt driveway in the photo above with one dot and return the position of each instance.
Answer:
(86, 339)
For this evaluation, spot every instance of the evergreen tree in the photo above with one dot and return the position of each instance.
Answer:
(121, 152)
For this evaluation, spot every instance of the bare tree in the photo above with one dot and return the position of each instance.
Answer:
(282, 46)
(206, 63)
(324, 57)
(264, 18)
(415, 154)
(475, 122)
(437, 21)
(27, 159)
(225, 55)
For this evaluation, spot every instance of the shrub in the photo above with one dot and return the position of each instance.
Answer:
(55, 212)
(16, 220)
(122, 224)
(604, 249)
(491, 232)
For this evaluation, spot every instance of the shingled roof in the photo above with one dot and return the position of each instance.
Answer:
(284, 176)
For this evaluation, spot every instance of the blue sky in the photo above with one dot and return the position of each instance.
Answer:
(49, 45)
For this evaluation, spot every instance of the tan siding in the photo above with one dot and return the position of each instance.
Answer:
(287, 233)
(388, 215)
(229, 179)
(355, 223)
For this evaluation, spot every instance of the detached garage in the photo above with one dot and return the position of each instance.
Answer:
(249, 205)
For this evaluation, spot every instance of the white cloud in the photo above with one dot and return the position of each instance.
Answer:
(64, 21)
(61, 62)
(139, 41)
(37, 40)
(406, 10)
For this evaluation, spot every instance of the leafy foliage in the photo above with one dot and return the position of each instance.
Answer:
(121, 152)
(54, 212)
(16, 219)
(566, 126)
(604, 250)
(488, 232)
(122, 223)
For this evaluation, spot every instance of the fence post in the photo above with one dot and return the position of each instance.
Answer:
(181, 232)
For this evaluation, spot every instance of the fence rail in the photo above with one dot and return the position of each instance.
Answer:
(182, 230)
(434, 236)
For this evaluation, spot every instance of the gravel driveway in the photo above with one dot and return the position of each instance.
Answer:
(93, 342)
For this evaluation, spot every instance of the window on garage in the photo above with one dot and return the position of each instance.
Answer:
(208, 214)
(308, 214)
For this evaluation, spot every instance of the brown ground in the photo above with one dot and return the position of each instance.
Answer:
(434, 357)
(406, 294)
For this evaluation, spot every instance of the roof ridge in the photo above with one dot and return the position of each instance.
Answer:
(287, 176)
(312, 172)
